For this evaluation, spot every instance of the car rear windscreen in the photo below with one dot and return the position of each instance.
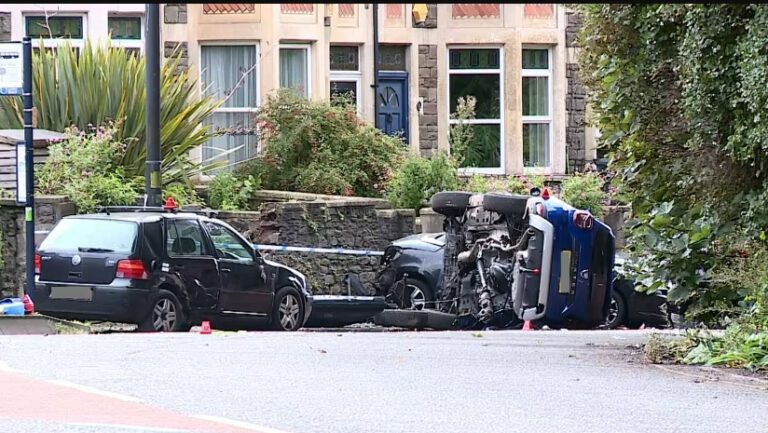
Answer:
(87, 234)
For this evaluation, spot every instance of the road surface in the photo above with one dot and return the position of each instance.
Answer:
(372, 382)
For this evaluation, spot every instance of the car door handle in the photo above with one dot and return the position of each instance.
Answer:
(226, 270)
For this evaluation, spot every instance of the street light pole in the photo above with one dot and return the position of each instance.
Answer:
(153, 183)
(375, 64)
(29, 158)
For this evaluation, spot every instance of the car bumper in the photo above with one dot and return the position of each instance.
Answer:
(117, 301)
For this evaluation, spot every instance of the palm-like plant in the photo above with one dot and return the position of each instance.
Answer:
(104, 83)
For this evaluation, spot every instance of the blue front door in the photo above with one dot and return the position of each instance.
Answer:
(392, 99)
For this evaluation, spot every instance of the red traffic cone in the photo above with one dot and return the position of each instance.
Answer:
(528, 326)
(205, 328)
(29, 306)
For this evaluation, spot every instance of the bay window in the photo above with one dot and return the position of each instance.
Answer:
(294, 68)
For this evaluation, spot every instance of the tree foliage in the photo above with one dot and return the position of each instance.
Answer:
(679, 93)
(102, 84)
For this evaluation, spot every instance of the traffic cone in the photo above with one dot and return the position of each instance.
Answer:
(206, 328)
(29, 306)
(528, 326)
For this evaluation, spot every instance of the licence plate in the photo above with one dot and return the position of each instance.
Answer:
(80, 293)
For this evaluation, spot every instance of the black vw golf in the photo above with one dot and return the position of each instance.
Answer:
(165, 271)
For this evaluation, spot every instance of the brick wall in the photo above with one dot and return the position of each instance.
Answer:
(175, 13)
(428, 90)
(575, 102)
(5, 26)
(168, 49)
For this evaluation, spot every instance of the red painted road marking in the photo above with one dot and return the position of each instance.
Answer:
(38, 400)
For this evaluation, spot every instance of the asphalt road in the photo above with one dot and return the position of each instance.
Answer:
(312, 382)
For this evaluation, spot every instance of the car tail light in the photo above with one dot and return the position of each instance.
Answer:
(582, 220)
(541, 210)
(131, 270)
(37, 264)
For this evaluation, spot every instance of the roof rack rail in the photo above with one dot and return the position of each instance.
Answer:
(157, 209)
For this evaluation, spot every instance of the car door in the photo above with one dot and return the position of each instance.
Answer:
(190, 258)
(243, 280)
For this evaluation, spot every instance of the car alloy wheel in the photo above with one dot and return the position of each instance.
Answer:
(288, 312)
(418, 298)
(164, 315)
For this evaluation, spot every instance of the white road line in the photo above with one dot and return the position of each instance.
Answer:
(127, 427)
(95, 391)
(241, 424)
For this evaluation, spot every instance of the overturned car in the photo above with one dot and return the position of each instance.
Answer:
(511, 258)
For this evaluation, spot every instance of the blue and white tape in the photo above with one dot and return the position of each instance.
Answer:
(286, 248)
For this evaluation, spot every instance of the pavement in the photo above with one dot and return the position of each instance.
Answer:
(319, 382)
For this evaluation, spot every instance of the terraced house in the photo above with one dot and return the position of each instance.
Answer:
(517, 60)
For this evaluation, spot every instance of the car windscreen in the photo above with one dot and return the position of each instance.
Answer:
(92, 235)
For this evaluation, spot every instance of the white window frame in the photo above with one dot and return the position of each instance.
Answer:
(206, 177)
(128, 43)
(55, 42)
(356, 76)
(548, 73)
(499, 121)
(307, 47)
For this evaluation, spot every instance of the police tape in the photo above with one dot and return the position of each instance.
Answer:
(285, 248)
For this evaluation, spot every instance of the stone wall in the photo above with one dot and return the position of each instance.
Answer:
(168, 49)
(428, 91)
(576, 100)
(48, 211)
(5, 26)
(175, 13)
(325, 224)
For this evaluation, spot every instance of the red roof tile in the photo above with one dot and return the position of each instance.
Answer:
(475, 10)
(297, 8)
(538, 10)
(228, 8)
(346, 10)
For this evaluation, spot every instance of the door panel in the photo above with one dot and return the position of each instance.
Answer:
(243, 278)
(392, 99)
(191, 260)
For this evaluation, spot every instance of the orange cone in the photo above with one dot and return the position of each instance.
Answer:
(206, 328)
(528, 326)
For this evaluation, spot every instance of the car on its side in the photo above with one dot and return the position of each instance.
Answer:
(410, 277)
(164, 270)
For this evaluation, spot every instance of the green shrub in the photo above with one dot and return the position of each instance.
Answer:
(462, 133)
(477, 184)
(312, 146)
(82, 167)
(103, 83)
(183, 193)
(417, 179)
(584, 191)
(228, 192)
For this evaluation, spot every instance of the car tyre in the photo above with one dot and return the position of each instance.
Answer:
(617, 312)
(417, 296)
(288, 310)
(512, 205)
(450, 203)
(166, 314)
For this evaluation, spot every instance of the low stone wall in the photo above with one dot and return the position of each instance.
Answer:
(48, 211)
(349, 224)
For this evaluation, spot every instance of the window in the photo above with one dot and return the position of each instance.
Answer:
(345, 73)
(537, 107)
(477, 72)
(392, 58)
(185, 238)
(230, 72)
(228, 245)
(294, 68)
(54, 30)
(75, 234)
(126, 32)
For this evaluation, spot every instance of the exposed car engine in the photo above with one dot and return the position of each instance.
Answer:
(486, 239)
